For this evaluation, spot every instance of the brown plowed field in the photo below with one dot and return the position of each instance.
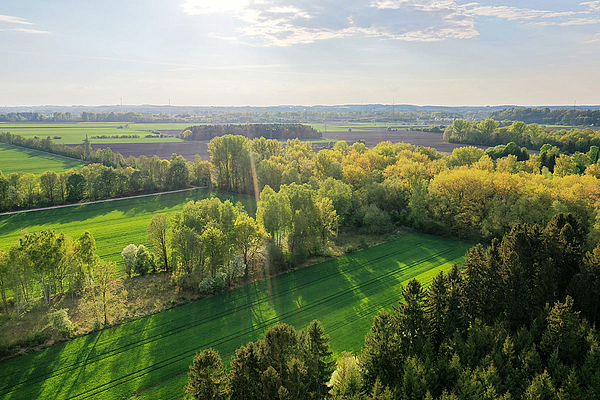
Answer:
(372, 136)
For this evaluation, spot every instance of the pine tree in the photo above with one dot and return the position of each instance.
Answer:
(207, 378)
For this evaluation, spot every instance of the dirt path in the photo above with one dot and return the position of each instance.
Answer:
(101, 201)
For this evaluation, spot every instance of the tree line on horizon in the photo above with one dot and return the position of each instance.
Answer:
(546, 116)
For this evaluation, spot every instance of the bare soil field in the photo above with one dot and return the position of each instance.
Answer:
(372, 136)
(164, 150)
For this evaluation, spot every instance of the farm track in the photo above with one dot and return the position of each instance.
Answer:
(170, 366)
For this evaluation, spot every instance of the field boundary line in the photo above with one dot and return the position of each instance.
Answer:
(101, 201)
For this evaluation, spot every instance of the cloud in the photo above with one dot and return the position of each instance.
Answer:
(561, 18)
(592, 5)
(572, 22)
(14, 20)
(596, 39)
(25, 30)
(198, 7)
(291, 22)
(517, 14)
(18, 20)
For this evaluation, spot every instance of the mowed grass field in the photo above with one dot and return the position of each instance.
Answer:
(114, 224)
(150, 357)
(18, 159)
(75, 133)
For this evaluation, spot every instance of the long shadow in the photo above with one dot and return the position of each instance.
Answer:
(146, 352)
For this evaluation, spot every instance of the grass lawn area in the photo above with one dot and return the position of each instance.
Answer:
(151, 356)
(114, 224)
(17, 159)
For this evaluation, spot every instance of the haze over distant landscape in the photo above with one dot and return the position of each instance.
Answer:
(239, 52)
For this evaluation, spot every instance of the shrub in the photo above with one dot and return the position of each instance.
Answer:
(233, 270)
(275, 259)
(59, 321)
(328, 252)
(350, 249)
(210, 285)
(362, 243)
(375, 219)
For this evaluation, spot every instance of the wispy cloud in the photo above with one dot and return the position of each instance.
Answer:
(592, 5)
(14, 20)
(21, 21)
(26, 30)
(572, 22)
(517, 14)
(561, 18)
(596, 39)
(290, 22)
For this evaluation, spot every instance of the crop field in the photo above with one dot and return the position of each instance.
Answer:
(17, 159)
(114, 224)
(75, 133)
(150, 356)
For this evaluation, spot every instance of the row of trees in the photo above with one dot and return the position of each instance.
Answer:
(516, 322)
(97, 181)
(204, 115)
(252, 131)
(491, 133)
(559, 116)
(86, 116)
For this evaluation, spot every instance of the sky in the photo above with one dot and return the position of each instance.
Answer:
(274, 52)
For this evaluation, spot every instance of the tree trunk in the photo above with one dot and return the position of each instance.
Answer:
(104, 305)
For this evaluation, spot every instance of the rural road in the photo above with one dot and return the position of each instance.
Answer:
(100, 201)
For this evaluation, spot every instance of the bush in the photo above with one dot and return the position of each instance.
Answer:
(362, 243)
(275, 259)
(210, 285)
(350, 249)
(375, 219)
(328, 252)
(233, 270)
(59, 321)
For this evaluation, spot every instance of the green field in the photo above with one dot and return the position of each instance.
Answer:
(114, 224)
(75, 133)
(151, 356)
(17, 159)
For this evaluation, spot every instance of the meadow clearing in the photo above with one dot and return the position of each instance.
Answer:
(150, 356)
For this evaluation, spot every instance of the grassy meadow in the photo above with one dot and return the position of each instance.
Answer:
(150, 356)
(114, 224)
(18, 159)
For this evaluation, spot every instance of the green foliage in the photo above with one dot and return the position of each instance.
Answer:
(172, 338)
(59, 321)
(207, 379)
